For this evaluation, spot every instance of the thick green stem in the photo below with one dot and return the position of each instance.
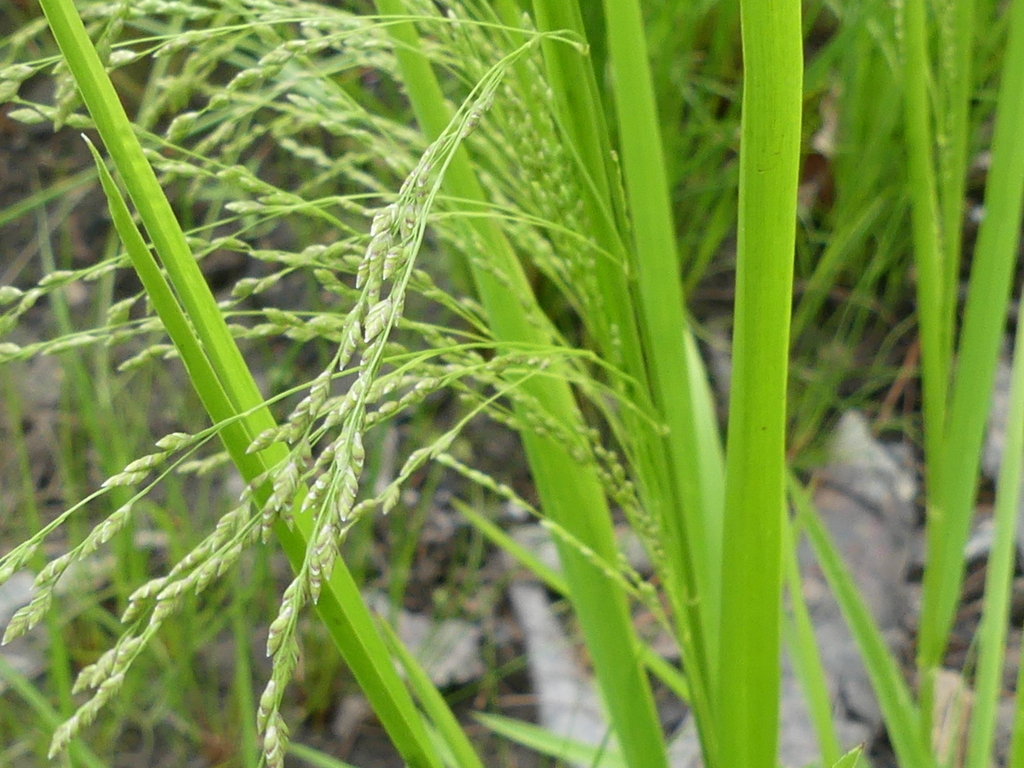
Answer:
(748, 691)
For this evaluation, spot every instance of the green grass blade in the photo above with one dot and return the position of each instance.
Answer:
(550, 577)
(658, 352)
(317, 759)
(999, 235)
(936, 345)
(710, 454)
(245, 699)
(667, 673)
(956, 38)
(747, 693)
(992, 638)
(200, 371)
(985, 313)
(845, 237)
(660, 305)
(935, 342)
(850, 759)
(43, 196)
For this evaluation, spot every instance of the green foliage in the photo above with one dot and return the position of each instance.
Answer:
(539, 245)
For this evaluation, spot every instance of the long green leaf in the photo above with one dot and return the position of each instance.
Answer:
(992, 640)
(998, 242)
(315, 758)
(656, 349)
(433, 703)
(850, 759)
(936, 346)
(956, 41)
(747, 693)
(993, 263)
(694, 524)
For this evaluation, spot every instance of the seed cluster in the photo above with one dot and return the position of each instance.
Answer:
(374, 374)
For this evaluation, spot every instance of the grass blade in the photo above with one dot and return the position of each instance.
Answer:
(999, 575)
(692, 523)
(747, 692)
(998, 241)
(850, 759)
(984, 320)
(935, 343)
(682, 495)
(313, 757)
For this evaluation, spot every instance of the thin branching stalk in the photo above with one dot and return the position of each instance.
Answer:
(226, 386)
(571, 494)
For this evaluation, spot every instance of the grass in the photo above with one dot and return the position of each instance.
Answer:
(565, 202)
